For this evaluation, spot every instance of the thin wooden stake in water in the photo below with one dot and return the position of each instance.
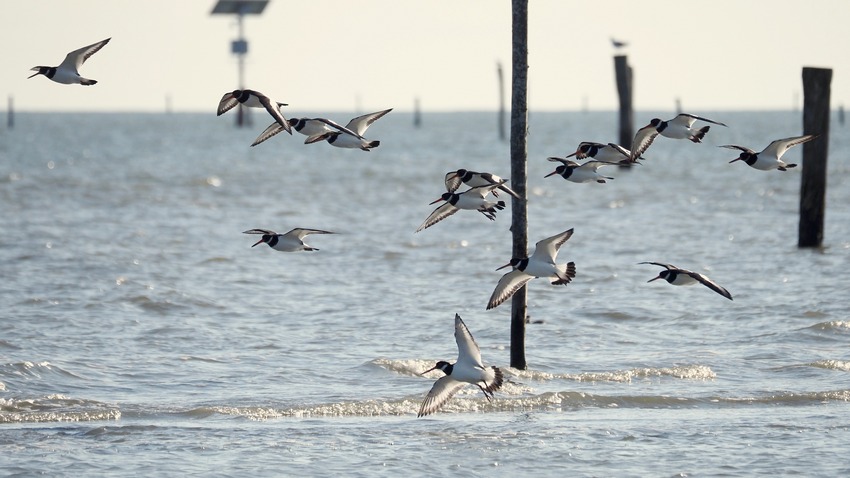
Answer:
(10, 114)
(624, 90)
(519, 159)
(501, 118)
(816, 85)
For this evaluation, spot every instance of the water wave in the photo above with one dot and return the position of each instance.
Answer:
(471, 401)
(55, 408)
(690, 372)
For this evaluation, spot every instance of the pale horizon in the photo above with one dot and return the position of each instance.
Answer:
(325, 55)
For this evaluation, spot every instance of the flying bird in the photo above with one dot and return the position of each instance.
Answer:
(677, 276)
(681, 127)
(350, 135)
(540, 264)
(770, 157)
(580, 173)
(253, 99)
(67, 72)
(607, 153)
(473, 179)
(467, 369)
(473, 199)
(292, 241)
(319, 129)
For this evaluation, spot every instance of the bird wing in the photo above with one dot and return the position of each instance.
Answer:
(508, 190)
(76, 58)
(272, 130)
(666, 266)
(595, 164)
(507, 286)
(333, 124)
(440, 393)
(780, 146)
(708, 283)
(438, 215)
(740, 148)
(688, 120)
(467, 349)
(274, 110)
(546, 250)
(228, 101)
(623, 151)
(564, 161)
(453, 181)
(643, 139)
(361, 123)
(583, 147)
(301, 233)
(260, 231)
(484, 190)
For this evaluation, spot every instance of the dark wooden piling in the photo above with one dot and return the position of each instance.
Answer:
(417, 114)
(501, 119)
(519, 160)
(625, 79)
(816, 92)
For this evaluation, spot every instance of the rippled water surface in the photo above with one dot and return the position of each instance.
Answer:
(142, 334)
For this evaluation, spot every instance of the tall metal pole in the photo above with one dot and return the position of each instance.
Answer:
(519, 176)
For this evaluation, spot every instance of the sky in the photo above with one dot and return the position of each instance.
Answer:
(342, 55)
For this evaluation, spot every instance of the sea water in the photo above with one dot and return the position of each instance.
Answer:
(141, 334)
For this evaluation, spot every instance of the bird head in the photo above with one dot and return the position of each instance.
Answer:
(443, 197)
(39, 70)
(442, 365)
(662, 275)
(265, 238)
(559, 170)
(514, 262)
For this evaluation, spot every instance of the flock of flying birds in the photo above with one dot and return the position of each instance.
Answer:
(469, 368)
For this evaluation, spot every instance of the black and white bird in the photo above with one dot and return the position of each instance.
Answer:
(350, 135)
(542, 263)
(474, 199)
(307, 126)
(292, 241)
(67, 72)
(580, 173)
(770, 157)
(607, 153)
(679, 127)
(474, 179)
(468, 369)
(253, 99)
(677, 276)
(319, 129)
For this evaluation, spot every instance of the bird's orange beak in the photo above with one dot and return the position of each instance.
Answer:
(506, 265)
(435, 201)
(259, 242)
(550, 174)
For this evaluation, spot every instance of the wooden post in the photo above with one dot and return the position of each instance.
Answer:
(10, 114)
(417, 115)
(519, 160)
(624, 89)
(501, 119)
(816, 85)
